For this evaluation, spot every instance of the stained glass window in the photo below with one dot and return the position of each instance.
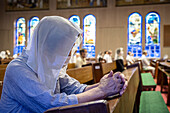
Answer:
(19, 40)
(32, 24)
(135, 34)
(89, 36)
(152, 35)
(76, 19)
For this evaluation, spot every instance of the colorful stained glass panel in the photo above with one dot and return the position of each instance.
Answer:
(135, 34)
(19, 35)
(89, 37)
(152, 35)
(32, 24)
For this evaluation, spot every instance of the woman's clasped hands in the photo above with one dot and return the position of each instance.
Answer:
(111, 84)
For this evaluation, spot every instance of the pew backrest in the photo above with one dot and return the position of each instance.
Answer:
(2, 73)
(107, 67)
(83, 74)
(97, 72)
(71, 65)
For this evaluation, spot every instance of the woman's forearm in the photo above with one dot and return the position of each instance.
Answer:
(90, 95)
(91, 87)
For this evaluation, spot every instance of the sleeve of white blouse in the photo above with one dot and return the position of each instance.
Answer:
(70, 85)
(23, 86)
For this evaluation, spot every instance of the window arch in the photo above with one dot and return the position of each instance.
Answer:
(135, 34)
(76, 19)
(32, 24)
(152, 35)
(89, 34)
(19, 40)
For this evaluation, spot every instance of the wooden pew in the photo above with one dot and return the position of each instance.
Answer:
(107, 67)
(83, 74)
(100, 106)
(88, 73)
(3, 65)
(2, 73)
(97, 72)
(71, 65)
(6, 61)
(146, 79)
(123, 104)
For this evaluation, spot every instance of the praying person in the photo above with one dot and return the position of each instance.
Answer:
(37, 79)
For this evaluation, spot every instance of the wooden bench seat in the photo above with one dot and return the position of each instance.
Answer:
(152, 102)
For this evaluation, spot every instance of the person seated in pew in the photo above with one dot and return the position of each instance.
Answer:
(74, 57)
(119, 54)
(146, 63)
(7, 52)
(99, 56)
(3, 54)
(108, 57)
(129, 59)
(82, 59)
(37, 79)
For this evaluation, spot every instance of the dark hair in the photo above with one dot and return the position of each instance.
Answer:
(105, 52)
(82, 51)
(129, 53)
(118, 51)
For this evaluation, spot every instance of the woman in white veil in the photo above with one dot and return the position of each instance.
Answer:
(37, 79)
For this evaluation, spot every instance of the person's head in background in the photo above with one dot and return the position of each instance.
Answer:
(77, 55)
(110, 52)
(8, 52)
(105, 52)
(129, 53)
(83, 53)
(120, 52)
(3, 54)
(145, 52)
(100, 53)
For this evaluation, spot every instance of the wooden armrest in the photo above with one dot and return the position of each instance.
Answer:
(100, 106)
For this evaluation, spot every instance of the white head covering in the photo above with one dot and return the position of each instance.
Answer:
(3, 54)
(119, 53)
(51, 42)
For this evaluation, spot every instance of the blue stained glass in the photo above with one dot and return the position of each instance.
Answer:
(152, 47)
(32, 24)
(157, 47)
(134, 32)
(152, 33)
(89, 34)
(19, 36)
(76, 20)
